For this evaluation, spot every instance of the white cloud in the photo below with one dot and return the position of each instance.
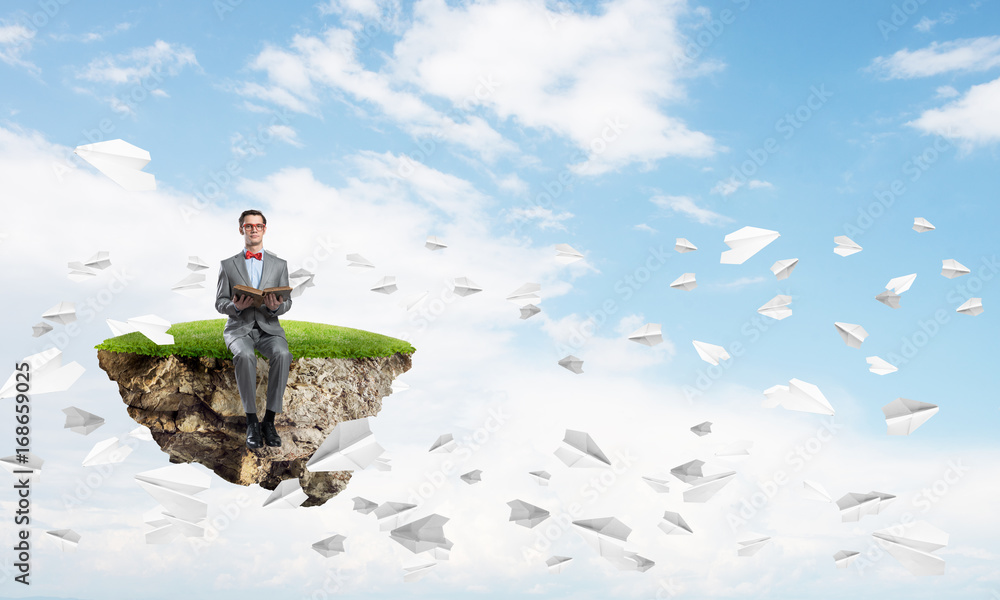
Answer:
(945, 91)
(973, 118)
(756, 184)
(686, 206)
(161, 58)
(728, 186)
(330, 62)
(285, 134)
(544, 218)
(643, 227)
(740, 283)
(600, 80)
(15, 41)
(924, 25)
(972, 54)
(513, 183)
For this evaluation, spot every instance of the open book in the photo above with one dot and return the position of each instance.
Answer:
(282, 292)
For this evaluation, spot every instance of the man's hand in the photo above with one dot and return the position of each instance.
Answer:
(272, 301)
(243, 302)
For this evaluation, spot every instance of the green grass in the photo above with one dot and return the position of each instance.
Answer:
(305, 340)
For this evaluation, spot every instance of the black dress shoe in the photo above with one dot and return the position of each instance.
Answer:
(271, 437)
(253, 435)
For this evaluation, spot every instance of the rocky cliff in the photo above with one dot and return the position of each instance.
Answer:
(192, 407)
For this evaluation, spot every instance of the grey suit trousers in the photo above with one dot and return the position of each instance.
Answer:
(275, 349)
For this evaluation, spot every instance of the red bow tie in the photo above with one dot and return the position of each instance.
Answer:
(257, 255)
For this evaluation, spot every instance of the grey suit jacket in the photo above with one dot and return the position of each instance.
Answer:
(233, 271)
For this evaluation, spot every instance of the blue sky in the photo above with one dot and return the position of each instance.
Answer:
(506, 128)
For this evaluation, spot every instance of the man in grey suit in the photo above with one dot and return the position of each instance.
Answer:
(249, 328)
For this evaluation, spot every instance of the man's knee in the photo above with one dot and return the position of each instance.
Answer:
(242, 354)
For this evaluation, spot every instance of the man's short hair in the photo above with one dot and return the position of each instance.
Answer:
(252, 212)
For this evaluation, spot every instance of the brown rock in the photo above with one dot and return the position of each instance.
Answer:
(192, 407)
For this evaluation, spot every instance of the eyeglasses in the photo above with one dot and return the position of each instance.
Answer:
(254, 226)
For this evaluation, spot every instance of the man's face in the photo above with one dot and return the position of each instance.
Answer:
(252, 230)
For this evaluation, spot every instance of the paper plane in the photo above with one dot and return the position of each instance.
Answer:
(151, 326)
(901, 284)
(888, 298)
(704, 488)
(62, 313)
(399, 386)
(972, 307)
(751, 546)
(912, 543)
(782, 269)
(526, 515)
(815, 491)
(683, 246)
(572, 363)
(357, 261)
(81, 421)
(777, 308)
(921, 225)
(191, 285)
(390, 514)
(737, 448)
(40, 329)
(660, 486)
(382, 464)
(434, 243)
(844, 558)
(746, 242)
(526, 294)
(141, 433)
(647, 335)
(529, 310)
(689, 471)
(299, 280)
(32, 467)
(48, 374)
(853, 335)
(853, 506)
(798, 395)
(710, 353)
(702, 429)
(674, 524)
(349, 447)
(67, 539)
(904, 416)
(606, 535)
(472, 477)
(951, 268)
(287, 494)
(386, 285)
(685, 282)
(107, 452)
(330, 546)
(578, 449)
(364, 506)
(422, 535)
(463, 286)
(100, 260)
(80, 272)
(541, 477)
(845, 246)
(565, 254)
(417, 572)
(631, 561)
(121, 162)
(196, 264)
(445, 443)
(181, 514)
(557, 563)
